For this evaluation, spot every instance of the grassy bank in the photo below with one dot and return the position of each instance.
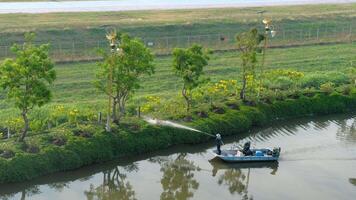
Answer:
(74, 85)
(87, 20)
(90, 26)
(74, 36)
(89, 144)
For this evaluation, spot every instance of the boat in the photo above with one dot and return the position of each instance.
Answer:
(255, 155)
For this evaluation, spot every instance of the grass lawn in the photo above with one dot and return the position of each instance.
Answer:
(74, 87)
(74, 83)
(18, 22)
(73, 36)
(60, 27)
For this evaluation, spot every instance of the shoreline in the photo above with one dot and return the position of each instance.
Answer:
(144, 5)
(102, 147)
(89, 170)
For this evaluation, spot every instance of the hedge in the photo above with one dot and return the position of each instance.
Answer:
(103, 147)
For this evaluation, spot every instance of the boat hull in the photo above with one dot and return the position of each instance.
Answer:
(232, 157)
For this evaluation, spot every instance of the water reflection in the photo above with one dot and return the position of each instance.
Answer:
(233, 176)
(346, 130)
(114, 186)
(178, 178)
(220, 165)
(23, 194)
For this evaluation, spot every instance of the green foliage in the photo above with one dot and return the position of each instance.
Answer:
(248, 42)
(215, 92)
(282, 79)
(78, 151)
(327, 87)
(188, 64)
(318, 78)
(15, 124)
(132, 60)
(25, 77)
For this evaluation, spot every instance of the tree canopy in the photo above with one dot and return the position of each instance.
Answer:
(132, 60)
(188, 64)
(25, 78)
(247, 43)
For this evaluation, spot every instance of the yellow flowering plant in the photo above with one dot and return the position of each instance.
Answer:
(15, 124)
(73, 116)
(152, 104)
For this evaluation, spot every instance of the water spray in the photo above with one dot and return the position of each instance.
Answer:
(173, 124)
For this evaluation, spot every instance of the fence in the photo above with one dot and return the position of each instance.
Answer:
(69, 51)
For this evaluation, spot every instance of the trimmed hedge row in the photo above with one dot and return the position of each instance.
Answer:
(102, 147)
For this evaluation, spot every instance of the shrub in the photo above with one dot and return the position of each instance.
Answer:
(281, 83)
(327, 88)
(313, 80)
(346, 89)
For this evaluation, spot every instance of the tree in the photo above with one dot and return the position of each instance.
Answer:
(25, 78)
(114, 186)
(189, 64)
(178, 178)
(132, 61)
(247, 43)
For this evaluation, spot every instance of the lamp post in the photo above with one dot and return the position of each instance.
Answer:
(269, 29)
(111, 36)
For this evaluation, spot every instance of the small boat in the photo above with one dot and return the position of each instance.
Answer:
(255, 155)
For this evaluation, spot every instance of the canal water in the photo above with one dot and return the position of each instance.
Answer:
(318, 161)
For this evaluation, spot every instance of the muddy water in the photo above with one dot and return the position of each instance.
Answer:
(318, 161)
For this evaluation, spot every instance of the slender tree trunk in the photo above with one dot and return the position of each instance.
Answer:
(187, 100)
(25, 129)
(114, 108)
(243, 89)
(122, 108)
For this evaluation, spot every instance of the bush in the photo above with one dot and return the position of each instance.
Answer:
(280, 83)
(346, 89)
(315, 80)
(327, 87)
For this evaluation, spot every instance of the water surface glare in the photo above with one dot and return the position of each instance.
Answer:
(318, 161)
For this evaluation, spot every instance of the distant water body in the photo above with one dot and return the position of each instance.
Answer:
(130, 5)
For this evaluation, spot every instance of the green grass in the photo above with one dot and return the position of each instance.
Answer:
(91, 25)
(74, 84)
(76, 78)
(18, 22)
(74, 87)
(170, 28)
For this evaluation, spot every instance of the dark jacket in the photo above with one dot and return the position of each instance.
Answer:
(219, 142)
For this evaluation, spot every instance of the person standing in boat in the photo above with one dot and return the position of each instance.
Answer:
(219, 142)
